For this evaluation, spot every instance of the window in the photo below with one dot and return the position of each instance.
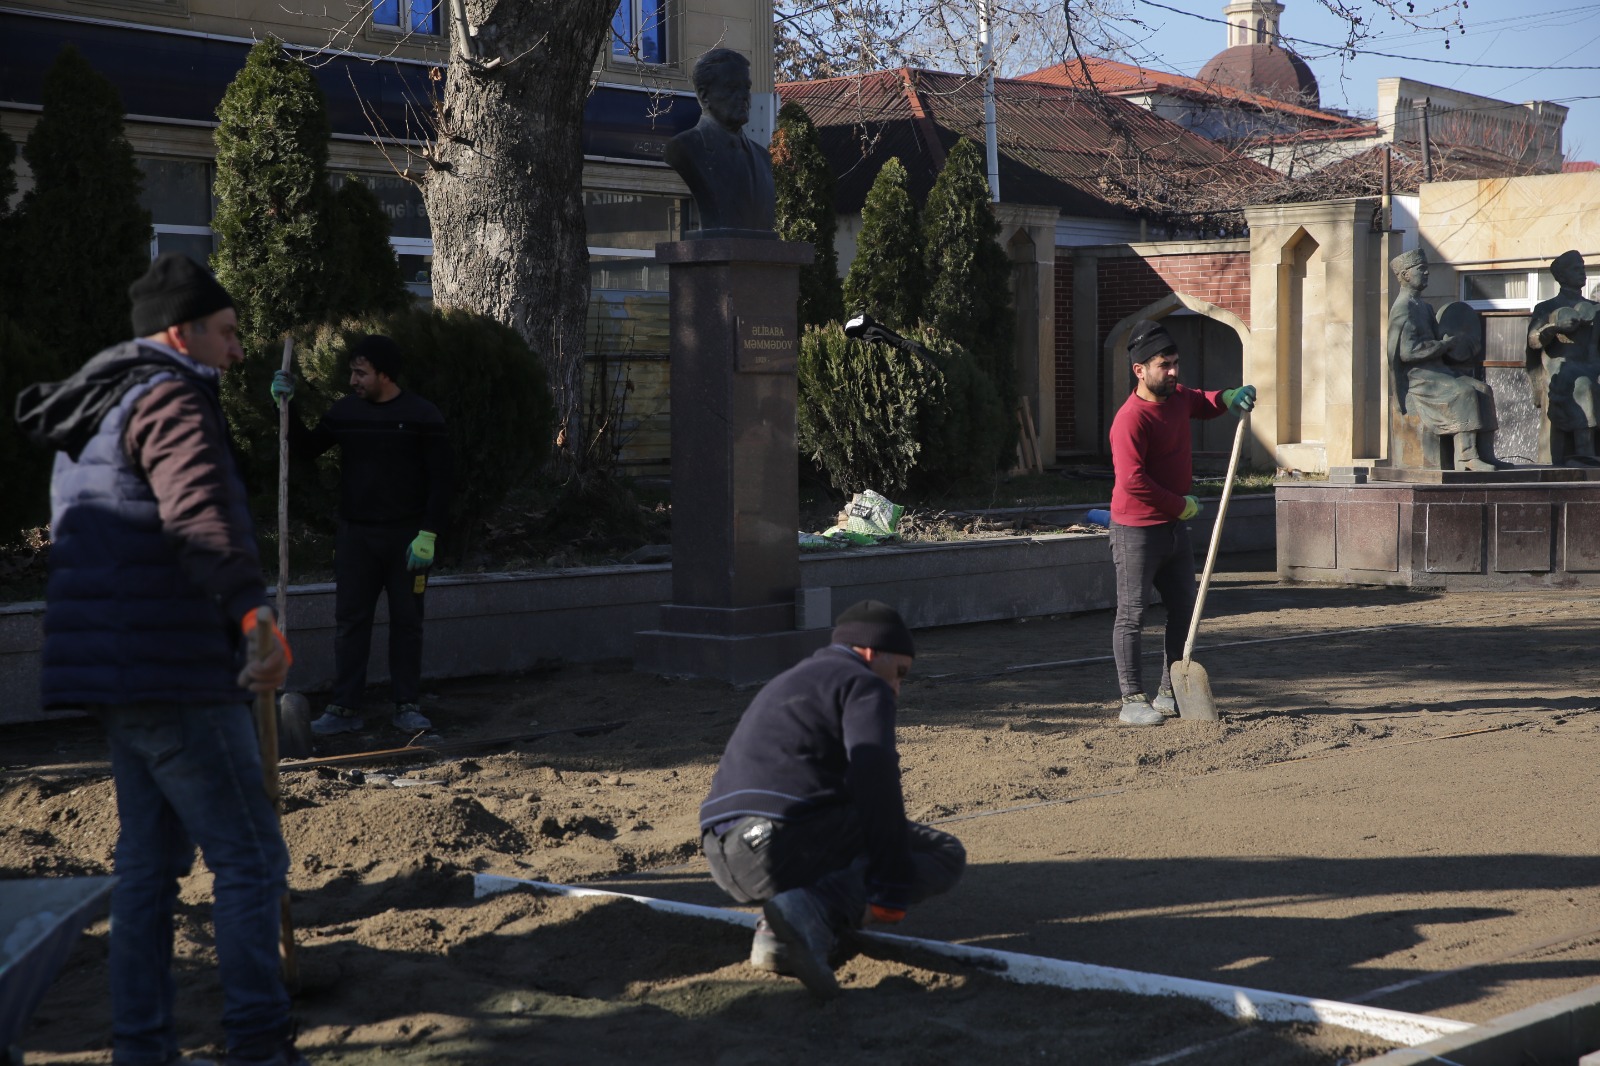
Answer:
(639, 31)
(1506, 299)
(406, 16)
(627, 290)
(177, 193)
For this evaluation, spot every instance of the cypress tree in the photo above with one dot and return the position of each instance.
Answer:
(969, 291)
(272, 193)
(886, 279)
(969, 276)
(805, 211)
(364, 273)
(85, 235)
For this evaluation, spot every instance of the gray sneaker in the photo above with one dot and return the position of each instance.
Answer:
(800, 922)
(767, 952)
(335, 720)
(1136, 710)
(1166, 702)
(408, 718)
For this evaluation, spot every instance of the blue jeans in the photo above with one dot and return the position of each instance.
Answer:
(187, 775)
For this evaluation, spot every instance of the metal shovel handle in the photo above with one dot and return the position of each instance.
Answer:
(1216, 538)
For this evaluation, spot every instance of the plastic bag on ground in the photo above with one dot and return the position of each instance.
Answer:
(868, 519)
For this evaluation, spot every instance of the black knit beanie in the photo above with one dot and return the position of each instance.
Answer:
(876, 625)
(1148, 340)
(174, 290)
(380, 351)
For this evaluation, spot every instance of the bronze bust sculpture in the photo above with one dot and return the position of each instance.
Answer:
(1429, 384)
(1564, 343)
(729, 174)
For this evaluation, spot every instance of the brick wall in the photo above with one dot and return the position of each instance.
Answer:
(1125, 285)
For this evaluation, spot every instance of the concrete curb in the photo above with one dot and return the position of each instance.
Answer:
(480, 624)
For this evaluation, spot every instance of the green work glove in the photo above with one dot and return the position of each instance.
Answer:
(1191, 507)
(419, 554)
(282, 387)
(1241, 399)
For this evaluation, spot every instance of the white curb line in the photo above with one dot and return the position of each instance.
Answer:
(1231, 1000)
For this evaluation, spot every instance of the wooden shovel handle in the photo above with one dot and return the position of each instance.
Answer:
(1216, 538)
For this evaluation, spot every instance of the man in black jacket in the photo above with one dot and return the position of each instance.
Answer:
(394, 498)
(805, 813)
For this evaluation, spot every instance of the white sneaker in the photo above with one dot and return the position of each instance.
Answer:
(1166, 702)
(409, 719)
(1136, 710)
(335, 720)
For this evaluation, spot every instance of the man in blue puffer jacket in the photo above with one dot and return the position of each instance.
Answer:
(805, 814)
(153, 590)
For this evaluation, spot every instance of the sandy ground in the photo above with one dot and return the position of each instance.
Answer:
(1397, 808)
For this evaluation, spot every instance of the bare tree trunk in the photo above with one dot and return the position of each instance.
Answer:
(504, 190)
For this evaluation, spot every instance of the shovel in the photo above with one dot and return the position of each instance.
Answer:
(294, 713)
(1191, 685)
(266, 714)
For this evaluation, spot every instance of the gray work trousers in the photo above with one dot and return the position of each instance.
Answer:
(1146, 558)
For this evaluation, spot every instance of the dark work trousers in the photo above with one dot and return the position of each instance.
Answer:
(756, 858)
(1149, 557)
(368, 560)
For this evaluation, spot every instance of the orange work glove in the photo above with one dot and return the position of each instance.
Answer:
(265, 675)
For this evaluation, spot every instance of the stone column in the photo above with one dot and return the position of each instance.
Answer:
(735, 489)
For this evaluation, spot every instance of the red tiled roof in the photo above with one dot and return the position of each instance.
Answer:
(1125, 79)
(1056, 144)
(1578, 166)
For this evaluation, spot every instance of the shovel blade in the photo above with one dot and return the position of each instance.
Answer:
(1191, 686)
(294, 726)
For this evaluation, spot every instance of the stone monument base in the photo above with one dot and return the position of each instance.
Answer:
(1529, 527)
(739, 645)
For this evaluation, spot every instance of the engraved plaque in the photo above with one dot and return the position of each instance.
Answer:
(766, 345)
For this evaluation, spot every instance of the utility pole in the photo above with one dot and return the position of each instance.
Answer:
(989, 141)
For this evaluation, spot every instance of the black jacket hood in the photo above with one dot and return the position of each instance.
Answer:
(64, 415)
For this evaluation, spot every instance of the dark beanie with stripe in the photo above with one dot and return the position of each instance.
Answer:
(874, 624)
(175, 289)
(1148, 340)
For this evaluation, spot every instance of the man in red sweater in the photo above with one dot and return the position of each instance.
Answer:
(1150, 507)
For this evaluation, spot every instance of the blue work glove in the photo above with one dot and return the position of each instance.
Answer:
(1191, 507)
(419, 553)
(1241, 399)
(282, 387)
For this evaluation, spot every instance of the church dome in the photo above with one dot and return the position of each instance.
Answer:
(1265, 69)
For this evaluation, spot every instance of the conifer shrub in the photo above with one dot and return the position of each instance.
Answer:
(25, 503)
(961, 425)
(364, 273)
(490, 386)
(886, 275)
(272, 194)
(80, 236)
(858, 409)
(969, 277)
(805, 211)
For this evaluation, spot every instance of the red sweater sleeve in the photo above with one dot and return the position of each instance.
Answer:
(1151, 456)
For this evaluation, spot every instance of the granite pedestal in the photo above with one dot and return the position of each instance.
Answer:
(735, 490)
(1526, 527)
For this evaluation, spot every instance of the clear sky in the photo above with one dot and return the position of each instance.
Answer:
(1499, 33)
